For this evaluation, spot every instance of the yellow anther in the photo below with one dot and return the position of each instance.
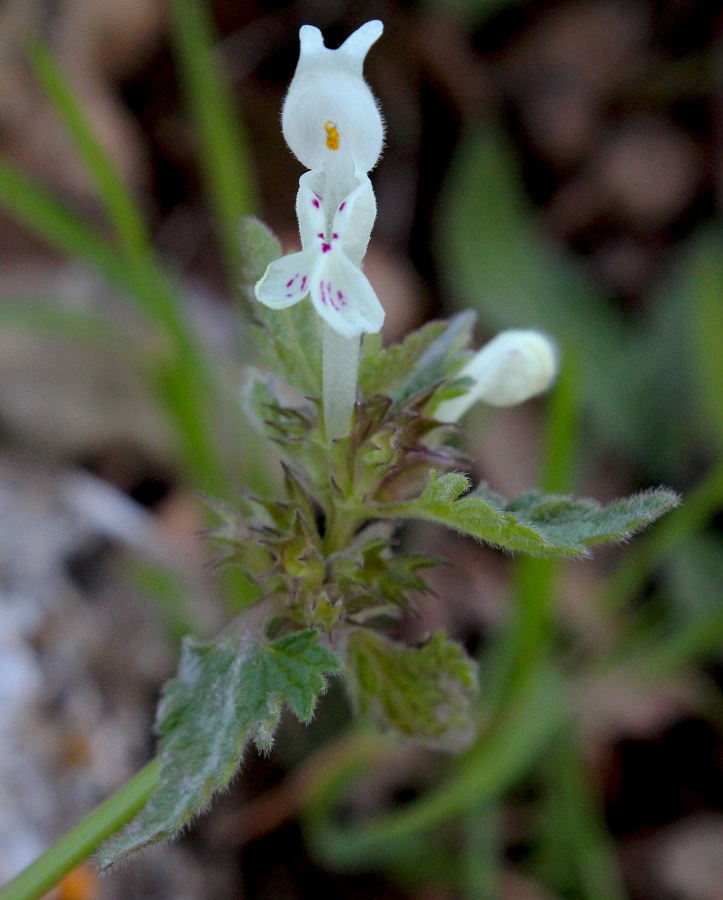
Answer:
(332, 136)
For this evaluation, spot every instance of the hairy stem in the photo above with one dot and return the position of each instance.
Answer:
(340, 366)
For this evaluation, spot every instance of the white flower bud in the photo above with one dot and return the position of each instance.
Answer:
(329, 109)
(511, 368)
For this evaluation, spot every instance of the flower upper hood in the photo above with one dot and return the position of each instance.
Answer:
(332, 124)
(329, 110)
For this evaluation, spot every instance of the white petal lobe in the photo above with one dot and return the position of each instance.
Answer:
(344, 298)
(286, 281)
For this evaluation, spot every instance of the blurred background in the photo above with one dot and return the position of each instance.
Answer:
(556, 165)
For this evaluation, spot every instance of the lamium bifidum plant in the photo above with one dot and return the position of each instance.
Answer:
(368, 440)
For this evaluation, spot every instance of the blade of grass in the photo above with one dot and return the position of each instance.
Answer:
(78, 843)
(649, 550)
(576, 853)
(500, 756)
(224, 153)
(703, 291)
(47, 316)
(531, 627)
(116, 198)
(187, 385)
(144, 277)
(52, 220)
(481, 854)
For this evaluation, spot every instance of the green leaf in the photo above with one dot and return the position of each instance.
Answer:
(288, 340)
(572, 522)
(224, 695)
(374, 581)
(422, 360)
(259, 248)
(541, 525)
(442, 501)
(387, 370)
(419, 692)
(290, 345)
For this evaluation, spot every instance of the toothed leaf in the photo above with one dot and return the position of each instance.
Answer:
(225, 695)
(547, 526)
(417, 364)
(571, 521)
(419, 692)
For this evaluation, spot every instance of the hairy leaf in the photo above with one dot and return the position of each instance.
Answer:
(540, 525)
(442, 501)
(385, 370)
(224, 695)
(288, 340)
(259, 248)
(419, 692)
(570, 521)
(420, 362)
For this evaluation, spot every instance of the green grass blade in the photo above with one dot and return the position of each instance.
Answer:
(186, 385)
(44, 316)
(56, 223)
(142, 275)
(116, 198)
(699, 291)
(224, 154)
(531, 625)
(498, 759)
(78, 843)
(576, 855)
(480, 863)
(650, 550)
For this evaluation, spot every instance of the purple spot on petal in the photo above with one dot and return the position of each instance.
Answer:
(291, 281)
(325, 248)
(335, 236)
(315, 202)
(321, 235)
(303, 283)
(342, 206)
(330, 294)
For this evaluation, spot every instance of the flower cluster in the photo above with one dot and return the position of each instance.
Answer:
(333, 126)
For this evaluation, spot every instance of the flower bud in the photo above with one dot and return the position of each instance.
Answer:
(330, 110)
(511, 368)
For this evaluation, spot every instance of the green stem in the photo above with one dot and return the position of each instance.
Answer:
(75, 846)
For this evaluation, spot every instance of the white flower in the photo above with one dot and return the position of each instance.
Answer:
(329, 114)
(327, 268)
(511, 368)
